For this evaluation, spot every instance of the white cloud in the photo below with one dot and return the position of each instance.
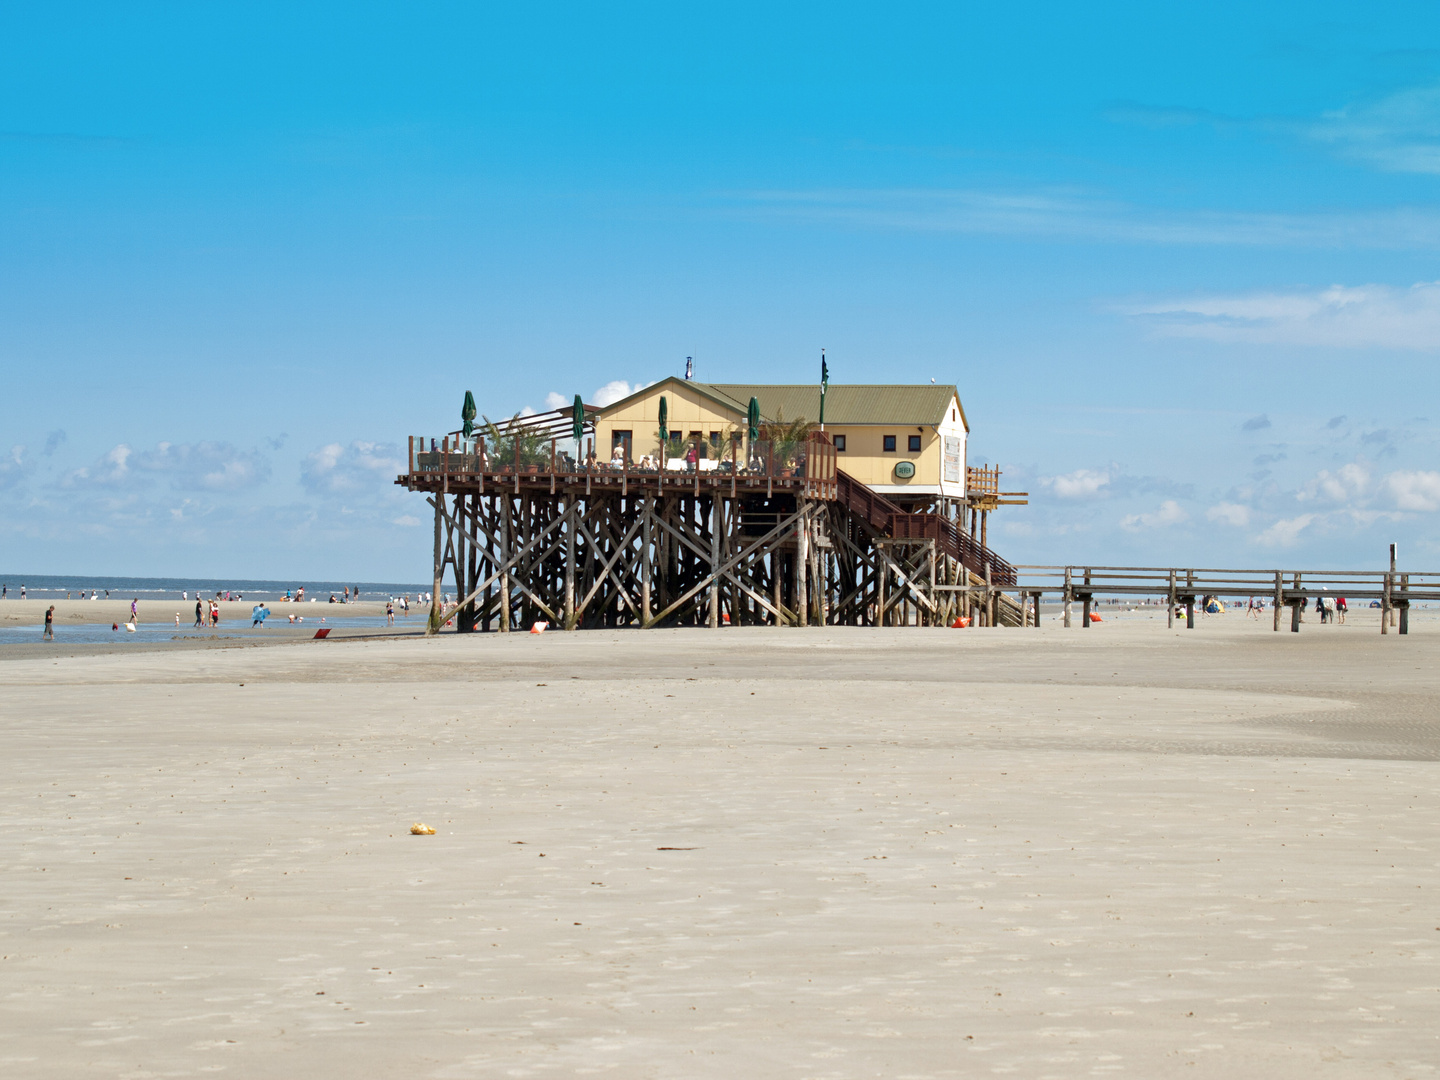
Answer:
(1347, 484)
(1398, 133)
(406, 520)
(13, 468)
(205, 466)
(1228, 513)
(1080, 484)
(1064, 214)
(336, 469)
(1414, 490)
(1285, 532)
(556, 401)
(616, 390)
(1170, 513)
(1362, 316)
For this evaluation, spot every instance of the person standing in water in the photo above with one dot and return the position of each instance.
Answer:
(49, 624)
(133, 613)
(199, 621)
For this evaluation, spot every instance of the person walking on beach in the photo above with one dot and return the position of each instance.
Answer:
(22, 592)
(1340, 610)
(49, 625)
(199, 619)
(389, 613)
(254, 616)
(133, 612)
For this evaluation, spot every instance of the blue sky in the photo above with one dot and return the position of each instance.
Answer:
(1182, 264)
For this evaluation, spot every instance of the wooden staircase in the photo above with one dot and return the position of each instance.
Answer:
(892, 522)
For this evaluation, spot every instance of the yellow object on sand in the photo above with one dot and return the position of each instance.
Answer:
(421, 829)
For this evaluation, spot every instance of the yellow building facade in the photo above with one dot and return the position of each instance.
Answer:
(896, 439)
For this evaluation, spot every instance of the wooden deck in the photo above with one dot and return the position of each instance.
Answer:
(809, 472)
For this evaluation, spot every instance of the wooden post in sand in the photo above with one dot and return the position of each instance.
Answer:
(1279, 597)
(505, 535)
(570, 541)
(802, 570)
(433, 627)
(716, 523)
(1069, 596)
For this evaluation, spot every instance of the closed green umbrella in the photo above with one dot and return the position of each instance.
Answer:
(577, 427)
(467, 413)
(754, 419)
(664, 435)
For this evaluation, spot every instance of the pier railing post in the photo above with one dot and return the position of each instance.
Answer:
(1069, 596)
(1279, 597)
(1170, 604)
(1387, 602)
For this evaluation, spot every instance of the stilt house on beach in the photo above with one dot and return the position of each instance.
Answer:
(717, 504)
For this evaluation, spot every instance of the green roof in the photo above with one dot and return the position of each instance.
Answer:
(844, 403)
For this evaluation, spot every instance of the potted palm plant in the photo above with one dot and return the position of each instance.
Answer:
(787, 437)
(515, 446)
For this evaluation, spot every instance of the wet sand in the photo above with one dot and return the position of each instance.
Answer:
(1119, 851)
(31, 612)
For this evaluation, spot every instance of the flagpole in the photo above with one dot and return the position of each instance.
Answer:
(824, 385)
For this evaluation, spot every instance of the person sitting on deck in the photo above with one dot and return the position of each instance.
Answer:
(617, 458)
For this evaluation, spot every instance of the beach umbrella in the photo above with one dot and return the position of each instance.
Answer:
(753, 419)
(467, 413)
(664, 415)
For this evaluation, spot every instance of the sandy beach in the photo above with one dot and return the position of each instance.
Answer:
(1118, 851)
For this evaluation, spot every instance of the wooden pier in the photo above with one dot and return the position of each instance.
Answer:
(767, 537)
(1184, 587)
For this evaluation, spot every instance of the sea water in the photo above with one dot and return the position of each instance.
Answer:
(53, 587)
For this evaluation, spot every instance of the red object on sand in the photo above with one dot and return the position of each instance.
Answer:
(960, 623)
(1095, 618)
(325, 632)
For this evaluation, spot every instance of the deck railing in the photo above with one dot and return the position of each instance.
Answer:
(808, 466)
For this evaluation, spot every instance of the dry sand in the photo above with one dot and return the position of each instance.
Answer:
(1119, 851)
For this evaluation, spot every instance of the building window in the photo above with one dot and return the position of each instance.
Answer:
(914, 444)
(953, 417)
(889, 444)
(622, 438)
(839, 444)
